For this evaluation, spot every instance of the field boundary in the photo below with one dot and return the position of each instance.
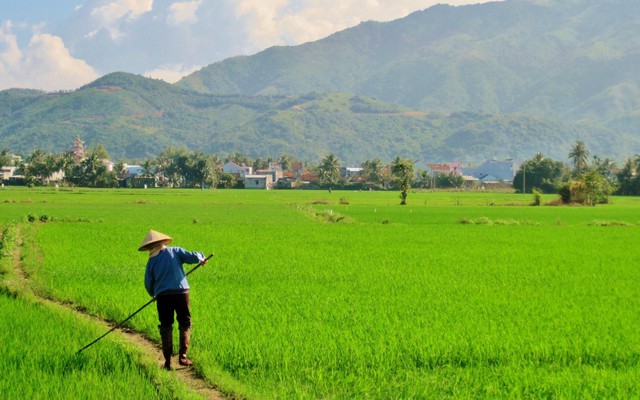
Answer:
(16, 283)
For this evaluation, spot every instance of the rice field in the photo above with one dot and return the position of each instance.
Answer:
(345, 295)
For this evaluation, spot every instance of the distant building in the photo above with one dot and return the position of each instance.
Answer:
(275, 174)
(297, 168)
(287, 183)
(108, 164)
(471, 182)
(234, 169)
(445, 168)
(7, 172)
(134, 170)
(258, 182)
(134, 177)
(494, 171)
(78, 151)
(350, 172)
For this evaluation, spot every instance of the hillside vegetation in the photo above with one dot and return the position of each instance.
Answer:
(136, 117)
(505, 79)
(574, 60)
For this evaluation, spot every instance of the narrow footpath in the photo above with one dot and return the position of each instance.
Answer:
(187, 375)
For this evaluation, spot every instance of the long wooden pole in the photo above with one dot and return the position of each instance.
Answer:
(201, 263)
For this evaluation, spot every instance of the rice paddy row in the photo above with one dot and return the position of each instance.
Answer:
(349, 295)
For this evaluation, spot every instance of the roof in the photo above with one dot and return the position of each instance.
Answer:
(257, 176)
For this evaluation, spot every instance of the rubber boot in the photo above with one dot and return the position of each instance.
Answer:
(185, 335)
(166, 335)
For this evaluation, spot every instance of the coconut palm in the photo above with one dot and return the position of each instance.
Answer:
(329, 170)
(373, 171)
(580, 156)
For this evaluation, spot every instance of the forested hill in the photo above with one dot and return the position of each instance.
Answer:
(575, 60)
(136, 117)
(504, 79)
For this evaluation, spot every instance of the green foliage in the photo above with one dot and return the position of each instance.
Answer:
(136, 119)
(537, 58)
(537, 197)
(629, 177)
(422, 307)
(329, 171)
(541, 173)
(39, 359)
(590, 189)
(403, 170)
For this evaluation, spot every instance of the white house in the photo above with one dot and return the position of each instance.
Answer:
(6, 172)
(234, 169)
(258, 182)
(350, 172)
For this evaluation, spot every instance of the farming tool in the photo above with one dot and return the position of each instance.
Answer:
(118, 325)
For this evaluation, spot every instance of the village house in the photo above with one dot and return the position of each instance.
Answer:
(494, 171)
(350, 172)
(445, 168)
(275, 175)
(297, 168)
(287, 182)
(238, 171)
(134, 177)
(258, 182)
(6, 173)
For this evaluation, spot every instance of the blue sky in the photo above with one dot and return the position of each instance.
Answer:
(64, 44)
(36, 11)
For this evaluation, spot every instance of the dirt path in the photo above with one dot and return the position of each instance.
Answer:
(187, 375)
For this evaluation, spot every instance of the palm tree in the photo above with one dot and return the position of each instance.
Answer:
(329, 170)
(580, 156)
(285, 162)
(373, 170)
(148, 168)
(36, 170)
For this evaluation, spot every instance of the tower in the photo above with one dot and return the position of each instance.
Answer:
(78, 149)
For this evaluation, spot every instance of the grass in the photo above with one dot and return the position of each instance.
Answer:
(40, 341)
(386, 302)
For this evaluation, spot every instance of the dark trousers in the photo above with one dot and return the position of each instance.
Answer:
(174, 303)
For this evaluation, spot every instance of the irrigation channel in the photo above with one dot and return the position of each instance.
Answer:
(19, 283)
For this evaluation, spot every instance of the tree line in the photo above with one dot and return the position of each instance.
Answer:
(586, 179)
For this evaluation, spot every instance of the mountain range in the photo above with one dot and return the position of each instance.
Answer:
(505, 79)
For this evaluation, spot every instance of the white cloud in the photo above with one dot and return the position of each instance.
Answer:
(171, 73)
(162, 38)
(10, 55)
(119, 8)
(44, 64)
(111, 15)
(183, 12)
(272, 22)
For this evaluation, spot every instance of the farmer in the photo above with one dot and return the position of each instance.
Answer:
(165, 279)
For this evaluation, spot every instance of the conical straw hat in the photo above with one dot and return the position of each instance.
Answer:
(152, 239)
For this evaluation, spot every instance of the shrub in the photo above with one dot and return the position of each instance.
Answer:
(537, 197)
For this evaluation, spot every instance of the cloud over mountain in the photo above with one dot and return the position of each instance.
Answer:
(170, 38)
(43, 64)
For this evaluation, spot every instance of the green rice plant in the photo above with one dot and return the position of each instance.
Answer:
(424, 307)
(39, 360)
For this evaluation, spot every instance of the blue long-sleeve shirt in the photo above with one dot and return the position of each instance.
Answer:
(164, 273)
